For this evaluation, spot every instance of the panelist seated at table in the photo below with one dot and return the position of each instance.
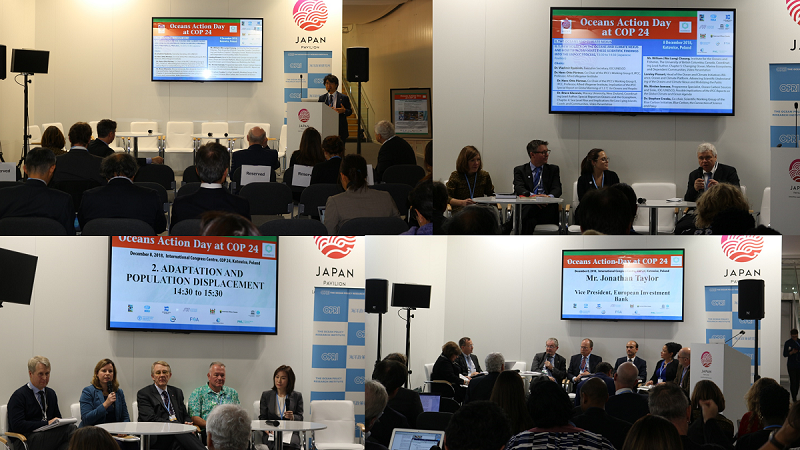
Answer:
(445, 369)
(667, 367)
(537, 178)
(631, 349)
(282, 402)
(549, 362)
(106, 133)
(584, 363)
(595, 173)
(469, 180)
(160, 402)
(203, 399)
(103, 401)
(710, 173)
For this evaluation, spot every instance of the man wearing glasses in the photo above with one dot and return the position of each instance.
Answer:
(549, 362)
(709, 173)
(631, 348)
(537, 179)
(584, 363)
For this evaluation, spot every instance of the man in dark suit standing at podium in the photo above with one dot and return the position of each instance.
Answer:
(550, 362)
(584, 363)
(537, 179)
(709, 173)
(468, 364)
(160, 402)
(339, 102)
(631, 348)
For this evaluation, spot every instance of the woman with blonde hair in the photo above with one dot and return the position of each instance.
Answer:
(722, 209)
(103, 401)
(750, 422)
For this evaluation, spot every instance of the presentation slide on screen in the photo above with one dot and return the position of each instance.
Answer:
(193, 284)
(622, 285)
(191, 49)
(642, 61)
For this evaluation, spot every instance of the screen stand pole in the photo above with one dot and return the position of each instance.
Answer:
(25, 136)
(755, 357)
(358, 133)
(409, 316)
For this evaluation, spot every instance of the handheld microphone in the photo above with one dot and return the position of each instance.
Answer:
(209, 134)
(226, 134)
(273, 423)
(149, 131)
(641, 201)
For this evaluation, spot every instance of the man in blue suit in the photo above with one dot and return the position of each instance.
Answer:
(584, 363)
(631, 348)
(339, 102)
(257, 154)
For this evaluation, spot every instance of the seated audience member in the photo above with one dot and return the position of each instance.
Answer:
(34, 405)
(33, 198)
(308, 154)
(551, 410)
(583, 364)
(257, 153)
(653, 433)
(549, 362)
(212, 168)
(445, 369)
(282, 402)
(394, 149)
(595, 173)
(751, 420)
(788, 434)
(78, 164)
(205, 398)
(375, 399)
(405, 401)
(218, 223)
(668, 401)
(392, 375)
(469, 180)
(683, 372)
(762, 230)
(328, 171)
(467, 362)
(774, 400)
(477, 426)
(605, 373)
(474, 220)
(630, 194)
(536, 178)
(667, 367)
(106, 133)
(358, 200)
(421, 200)
(722, 209)
(120, 198)
(626, 403)
(160, 402)
(631, 349)
(92, 438)
(228, 428)
(710, 173)
(509, 394)
(594, 418)
(103, 401)
(707, 390)
(439, 207)
(480, 388)
(428, 162)
(53, 139)
(605, 210)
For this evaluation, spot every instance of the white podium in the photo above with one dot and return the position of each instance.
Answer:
(785, 190)
(728, 368)
(301, 115)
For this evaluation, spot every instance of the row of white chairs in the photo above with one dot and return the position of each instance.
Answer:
(337, 415)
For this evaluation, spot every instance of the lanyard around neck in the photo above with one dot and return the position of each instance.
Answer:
(471, 189)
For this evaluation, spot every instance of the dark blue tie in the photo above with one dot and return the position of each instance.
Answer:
(536, 175)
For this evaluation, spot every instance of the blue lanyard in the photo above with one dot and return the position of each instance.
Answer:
(663, 367)
(602, 181)
(471, 189)
(281, 411)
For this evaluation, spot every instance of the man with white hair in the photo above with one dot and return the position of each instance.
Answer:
(375, 400)
(257, 154)
(228, 428)
(394, 149)
(480, 387)
(709, 173)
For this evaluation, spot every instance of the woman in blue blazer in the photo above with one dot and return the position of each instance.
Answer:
(103, 401)
(282, 402)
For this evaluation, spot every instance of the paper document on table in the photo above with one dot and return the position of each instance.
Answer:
(56, 423)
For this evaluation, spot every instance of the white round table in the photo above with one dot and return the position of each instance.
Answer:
(285, 425)
(147, 429)
(197, 138)
(518, 202)
(654, 205)
(135, 135)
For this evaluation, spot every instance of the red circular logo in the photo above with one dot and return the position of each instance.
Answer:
(335, 247)
(742, 248)
(310, 15)
(303, 115)
(706, 359)
(794, 167)
(566, 24)
(793, 6)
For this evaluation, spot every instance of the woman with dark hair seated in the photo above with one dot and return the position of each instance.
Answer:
(509, 394)
(551, 411)
(445, 369)
(358, 200)
(221, 223)
(53, 139)
(309, 154)
(469, 180)
(708, 390)
(595, 173)
(92, 438)
(421, 200)
(328, 171)
(667, 367)
(282, 402)
(653, 433)
(722, 209)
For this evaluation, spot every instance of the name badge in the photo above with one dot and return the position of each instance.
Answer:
(172, 418)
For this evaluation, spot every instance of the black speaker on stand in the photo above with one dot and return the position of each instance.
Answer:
(2, 62)
(27, 63)
(376, 301)
(751, 307)
(358, 71)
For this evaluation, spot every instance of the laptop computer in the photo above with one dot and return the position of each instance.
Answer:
(408, 439)
(430, 402)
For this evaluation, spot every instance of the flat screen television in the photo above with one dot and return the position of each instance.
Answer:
(207, 49)
(411, 295)
(639, 285)
(642, 61)
(193, 284)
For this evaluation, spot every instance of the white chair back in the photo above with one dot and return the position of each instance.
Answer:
(3, 419)
(256, 409)
(283, 142)
(339, 417)
(93, 124)
(764, 218)
(35, 132)
(428, 370)
(218, 129)
(146, 143)
(179, 136)
(57, 125)
(654, 191)
(75, 409)
(573, 208)
(135, 416)
(743, 188)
